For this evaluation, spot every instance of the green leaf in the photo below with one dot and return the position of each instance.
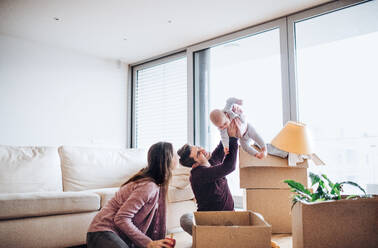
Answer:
(298, 186)
(351, 196)
(329, 181)
(336, 188)
(320, 200)
(322, 191)
(355, 185)
(304, 195)
(298, 198)
(318, 195)
(314, 178)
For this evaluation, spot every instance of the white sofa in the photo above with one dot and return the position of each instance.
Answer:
(49, 195)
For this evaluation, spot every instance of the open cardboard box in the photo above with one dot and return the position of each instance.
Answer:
(224, 229)
(269, 173)
(343, 223)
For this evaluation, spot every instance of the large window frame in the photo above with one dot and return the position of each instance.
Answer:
(288, 67)
(286, 25)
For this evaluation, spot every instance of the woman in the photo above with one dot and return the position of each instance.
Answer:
(135, 216)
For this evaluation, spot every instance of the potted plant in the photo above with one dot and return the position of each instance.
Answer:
(324, 218)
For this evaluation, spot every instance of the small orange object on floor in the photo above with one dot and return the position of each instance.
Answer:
(274, 244)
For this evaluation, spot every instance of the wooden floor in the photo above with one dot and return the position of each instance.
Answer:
(283, 240)
(184, 240)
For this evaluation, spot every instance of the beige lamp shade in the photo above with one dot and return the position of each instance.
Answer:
(294, 138)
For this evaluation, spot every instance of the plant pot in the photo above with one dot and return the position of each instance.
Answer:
(342, 223)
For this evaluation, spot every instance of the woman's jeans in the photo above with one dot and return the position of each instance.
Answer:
(105, 239)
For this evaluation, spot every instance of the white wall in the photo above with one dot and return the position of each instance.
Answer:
(51, 96)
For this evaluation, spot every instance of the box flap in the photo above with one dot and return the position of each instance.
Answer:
(222, 218)
(257, 219)
(247, 160)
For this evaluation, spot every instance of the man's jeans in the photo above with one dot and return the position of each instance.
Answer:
(186, 222)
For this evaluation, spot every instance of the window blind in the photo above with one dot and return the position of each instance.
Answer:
(161, 104)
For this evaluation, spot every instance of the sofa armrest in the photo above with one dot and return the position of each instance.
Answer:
(105, 193)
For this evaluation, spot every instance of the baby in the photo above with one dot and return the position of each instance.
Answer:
(223, 118)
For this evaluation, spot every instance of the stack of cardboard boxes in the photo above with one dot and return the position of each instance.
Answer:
(265, 191)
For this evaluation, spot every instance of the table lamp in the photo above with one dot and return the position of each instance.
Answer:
(294, 138)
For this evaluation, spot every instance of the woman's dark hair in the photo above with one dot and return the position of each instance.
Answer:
(158, 169)
(184, 153)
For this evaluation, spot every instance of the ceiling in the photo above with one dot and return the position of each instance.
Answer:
(132, 31)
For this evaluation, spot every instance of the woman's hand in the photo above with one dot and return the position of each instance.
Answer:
(234, 128)
(166, 243)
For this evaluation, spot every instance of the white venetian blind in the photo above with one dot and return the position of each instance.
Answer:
(161, 104)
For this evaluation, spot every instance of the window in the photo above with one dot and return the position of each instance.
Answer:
(336, 59)
(248, 68)
(160, 103)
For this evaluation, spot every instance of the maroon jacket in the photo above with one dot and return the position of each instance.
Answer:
(136, 213)
(209, 184)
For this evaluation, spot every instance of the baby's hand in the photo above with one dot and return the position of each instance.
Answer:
(259, 155)
(226, 150)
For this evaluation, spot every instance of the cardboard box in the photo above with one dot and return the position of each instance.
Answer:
(224, 229)
(247, 160)
(336, 224)
(273, 204)
(270, 178)
(269, 173)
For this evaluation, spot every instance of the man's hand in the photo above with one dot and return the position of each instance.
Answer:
(237, 110)
(226, 150)
(234, 129)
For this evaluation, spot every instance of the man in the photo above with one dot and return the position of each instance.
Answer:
(208, 176)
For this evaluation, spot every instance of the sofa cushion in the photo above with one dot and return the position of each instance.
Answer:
(106, 194)
(180, 181)
(176, 194)
(180, 177)
(29, 169)
(19, 205)
(94, 168)
(181, 170)
(176, 209)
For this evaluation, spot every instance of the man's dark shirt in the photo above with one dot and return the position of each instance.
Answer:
(209, 184)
